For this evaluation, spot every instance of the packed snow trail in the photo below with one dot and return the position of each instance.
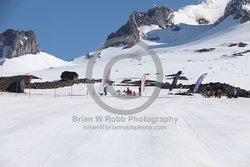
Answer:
(40, 132)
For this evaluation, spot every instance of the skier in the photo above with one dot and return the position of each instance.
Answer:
(235, 93)
(105, 90)
(139, 90)
(130, 93)
(208, 92)
(118, 92)
(127, 92)
(229, 94)
(216, 93)
(219, 93)
(134, 94)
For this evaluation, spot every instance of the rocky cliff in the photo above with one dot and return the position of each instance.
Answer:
(161, 16)
(239, 9)
(17, 43)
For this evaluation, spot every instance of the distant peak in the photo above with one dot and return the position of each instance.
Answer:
(161, 16)
(15, 43)
(239, 9)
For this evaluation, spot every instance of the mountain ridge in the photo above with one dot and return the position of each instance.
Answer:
(134, 29)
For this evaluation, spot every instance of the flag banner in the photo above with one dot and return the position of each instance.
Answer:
(177, 76)
(199, 81)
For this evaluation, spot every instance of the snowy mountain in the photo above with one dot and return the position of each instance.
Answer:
(139, 23)
(29, 63)
(20, 53)
(159, 16)
(179, 47)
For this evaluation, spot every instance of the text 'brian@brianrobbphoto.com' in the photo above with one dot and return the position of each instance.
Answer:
(133, 123)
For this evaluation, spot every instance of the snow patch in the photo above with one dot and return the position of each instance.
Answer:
(246, 7)
(211, 10)
(146, 29)
(28, 63)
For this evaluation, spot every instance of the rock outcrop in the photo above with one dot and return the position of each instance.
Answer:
(161, 16)
(239, 9)
(17, 43)
(69, 76)
(15, 84)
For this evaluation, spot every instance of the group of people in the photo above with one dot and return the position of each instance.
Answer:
(232, 93)
(209, 93)
(130, 92)
(217, 92)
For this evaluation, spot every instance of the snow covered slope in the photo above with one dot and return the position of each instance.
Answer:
(210, 10)
(28, 63)
(178, 51)
(224, 64)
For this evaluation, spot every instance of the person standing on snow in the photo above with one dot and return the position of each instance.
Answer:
(127, 92)
(219, 93)
(139, 90)
(105, 90)
(229, 93)
(235, 93)
(208, 92)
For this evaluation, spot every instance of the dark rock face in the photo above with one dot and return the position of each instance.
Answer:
(15, 84)
(202, 21)
(205, 50)
(154, 39)
(218, 86)
(240, 44)
(17, 43)
(69, 76)
(161, 16)
(241, 53)
(236, 9)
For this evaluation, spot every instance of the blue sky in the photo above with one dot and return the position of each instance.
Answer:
(71, 28)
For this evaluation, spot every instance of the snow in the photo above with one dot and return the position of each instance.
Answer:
(28, 63)
(178, 53)
(210, 10)
(40, 132)
(246, 7)
(146, 29)
(81, 59)
(21, 42)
